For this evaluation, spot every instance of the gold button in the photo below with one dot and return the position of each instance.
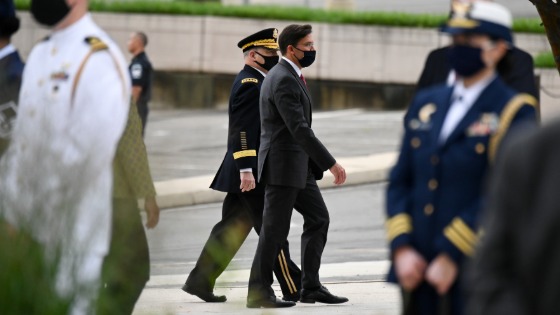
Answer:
(433, 184)
(480, 148)
(434, 159)
(415, 142)
(429, 209)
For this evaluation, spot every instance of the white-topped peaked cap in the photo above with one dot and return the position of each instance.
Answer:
(481, 17)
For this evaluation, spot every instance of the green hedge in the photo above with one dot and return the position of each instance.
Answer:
(214, 8)
(545, 60)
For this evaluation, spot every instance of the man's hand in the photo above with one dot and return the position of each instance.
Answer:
(247, 181)
(441, 273)
(152, 210)
(339, 174)
(410, 267)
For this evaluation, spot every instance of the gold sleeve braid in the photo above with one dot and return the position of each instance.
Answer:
(132, 178)
(508, 114)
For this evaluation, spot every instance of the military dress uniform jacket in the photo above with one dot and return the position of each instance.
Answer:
(289, 148)
(435, 189)
(243, 132)
(57, 173)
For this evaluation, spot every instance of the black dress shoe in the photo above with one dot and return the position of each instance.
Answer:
(206, 296)
(292, 297)
(321, 295)
(271, 302)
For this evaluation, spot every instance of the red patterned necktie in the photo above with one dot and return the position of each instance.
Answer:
(303, 79)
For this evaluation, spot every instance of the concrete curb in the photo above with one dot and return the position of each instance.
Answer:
(194, 190)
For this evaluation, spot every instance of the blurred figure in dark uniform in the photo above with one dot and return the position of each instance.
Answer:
(11, 68)
(515, 69)
(243, 206)
(141, 73)
(452, 136)
(515, 270)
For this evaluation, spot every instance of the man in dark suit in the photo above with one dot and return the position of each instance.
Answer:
(515, 69)
(290, 160)
(243, 206)
(515, 270)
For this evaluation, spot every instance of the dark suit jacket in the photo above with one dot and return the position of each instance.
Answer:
(289, 147)
(243, 132)
(516, 271)
(515, 69)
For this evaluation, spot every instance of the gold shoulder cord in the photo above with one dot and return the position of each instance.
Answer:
(509, 112)
(95, 45)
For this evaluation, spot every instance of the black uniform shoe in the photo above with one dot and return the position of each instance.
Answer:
(321, 295)
(292, 297)
(204, 295)
(271, 302)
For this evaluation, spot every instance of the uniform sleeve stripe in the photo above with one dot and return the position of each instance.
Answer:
(458, 241)
(464, 231)
(391, 235)
(397, 225)
(244, 153)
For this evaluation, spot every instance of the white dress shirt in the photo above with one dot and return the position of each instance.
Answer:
(463, 99)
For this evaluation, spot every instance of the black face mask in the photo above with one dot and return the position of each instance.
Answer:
(49, 12)
(269, 61)
(308, 57)
(466, 60)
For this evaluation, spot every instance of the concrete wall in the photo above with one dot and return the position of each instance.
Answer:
(350, 54)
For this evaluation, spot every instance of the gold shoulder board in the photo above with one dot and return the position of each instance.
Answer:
(96, 44)
(252, 80)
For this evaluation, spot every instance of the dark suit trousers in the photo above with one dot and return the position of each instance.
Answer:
(126, 268)
(240, 213)
(279, 204)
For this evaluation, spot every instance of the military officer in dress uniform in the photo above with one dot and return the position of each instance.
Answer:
(57, 173)
(452, 135)
(243, 205)
(11, 68)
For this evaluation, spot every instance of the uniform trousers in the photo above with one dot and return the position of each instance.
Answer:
(126, 268)
(279, 204)
(143, 111)
(240, 213)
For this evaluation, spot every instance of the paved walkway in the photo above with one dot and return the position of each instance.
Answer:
(186, 148)
(371, 295)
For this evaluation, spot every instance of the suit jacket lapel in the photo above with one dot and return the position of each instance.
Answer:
(288, 66)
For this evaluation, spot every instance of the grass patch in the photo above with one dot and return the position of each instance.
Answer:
(214, 8)
(545, 60)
